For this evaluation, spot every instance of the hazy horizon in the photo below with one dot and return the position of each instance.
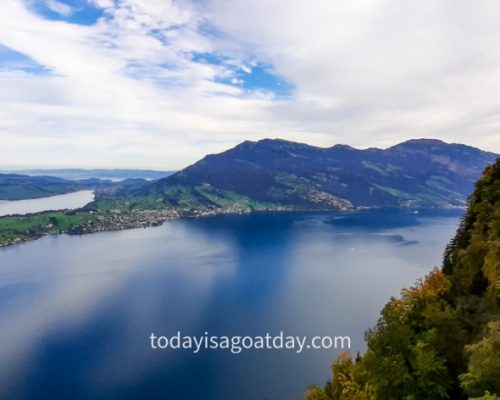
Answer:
(20, 168)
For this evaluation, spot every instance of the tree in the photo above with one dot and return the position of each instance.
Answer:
(314, 392)
(487, 396)
(484, 363)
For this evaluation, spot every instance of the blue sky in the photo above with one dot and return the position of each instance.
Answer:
(13, 60)
(251, 77)
(79, 12)
(160, 83)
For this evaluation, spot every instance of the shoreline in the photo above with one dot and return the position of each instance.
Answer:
(117, 220)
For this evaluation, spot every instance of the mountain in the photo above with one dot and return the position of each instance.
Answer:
(278, 173)
(111, 174)
(17, 187)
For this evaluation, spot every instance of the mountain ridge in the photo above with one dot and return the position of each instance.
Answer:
(414, 173)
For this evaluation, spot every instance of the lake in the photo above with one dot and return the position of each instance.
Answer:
(68, 201)
(76, 312)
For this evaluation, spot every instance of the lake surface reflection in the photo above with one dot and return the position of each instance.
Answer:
(67, 201)
(76, 311)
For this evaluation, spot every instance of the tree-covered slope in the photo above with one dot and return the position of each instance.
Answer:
(417, 173)
(441, 338)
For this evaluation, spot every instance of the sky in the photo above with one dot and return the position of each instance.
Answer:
(161, 83)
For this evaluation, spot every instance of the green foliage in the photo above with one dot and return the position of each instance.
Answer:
(225, 198)
(130, 204)
(414, 342)
(183, 196)
(472, 258)
(29, 226)
(348, 380)
(314, 392)
(484, 363)
(487, 396)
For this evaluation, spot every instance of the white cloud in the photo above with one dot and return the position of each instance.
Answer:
(60, 8)
(126, 91)
(375, 72)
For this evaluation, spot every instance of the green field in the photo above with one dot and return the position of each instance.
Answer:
(33, 226)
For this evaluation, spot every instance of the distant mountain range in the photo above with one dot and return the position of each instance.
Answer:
(20, 187)
(31, 184)
(278, 173)
(17, 187)
(111, 174)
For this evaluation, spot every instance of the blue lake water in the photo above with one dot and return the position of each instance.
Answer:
(66, 201)
(76, 312)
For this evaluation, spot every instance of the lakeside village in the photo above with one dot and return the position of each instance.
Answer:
(114, 220)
